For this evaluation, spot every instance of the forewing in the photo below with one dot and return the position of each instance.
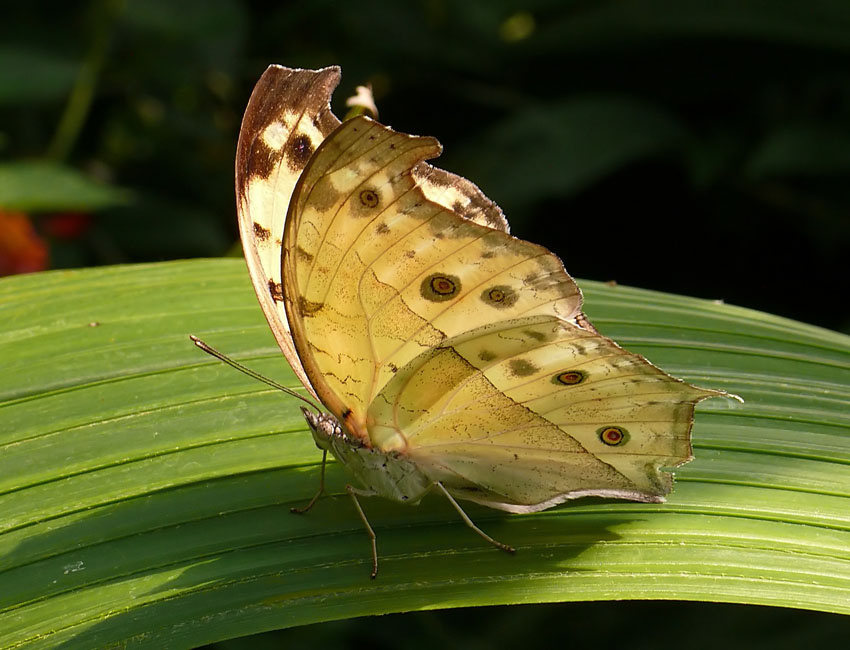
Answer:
(287, 117)
(376, 273)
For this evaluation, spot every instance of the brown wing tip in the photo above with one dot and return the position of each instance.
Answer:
(278, 92)
(328, 77)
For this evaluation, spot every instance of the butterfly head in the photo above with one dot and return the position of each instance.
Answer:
(324, 427)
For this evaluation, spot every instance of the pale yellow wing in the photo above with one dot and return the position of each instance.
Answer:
(375, 273)
(462, 348)
(287, 118)
(525, 413)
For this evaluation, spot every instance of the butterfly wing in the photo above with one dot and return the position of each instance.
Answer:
(525, 413)
(287, 118)
(375, 273)
(462, 348)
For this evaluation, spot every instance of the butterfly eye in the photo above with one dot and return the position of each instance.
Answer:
(569, 377)
(369, 198)
(612, 436)
(438, 287)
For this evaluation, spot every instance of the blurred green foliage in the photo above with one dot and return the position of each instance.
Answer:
(694, 146)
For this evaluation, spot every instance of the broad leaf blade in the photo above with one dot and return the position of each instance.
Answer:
(43, 186)
(145, 487)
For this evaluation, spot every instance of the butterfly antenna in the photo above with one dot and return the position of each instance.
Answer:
(255, 375)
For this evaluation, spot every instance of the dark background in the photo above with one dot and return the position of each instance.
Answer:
(699, 147)
(696, 147)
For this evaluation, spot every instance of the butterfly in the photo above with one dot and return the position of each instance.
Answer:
(448, 355)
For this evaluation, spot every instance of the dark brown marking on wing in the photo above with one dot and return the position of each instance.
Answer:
(486, 355)
(276, 291)
(261, 233)
(263, 160)
(585, 324)
(309, 308)
(534, 334)
(302, 255)
(298, 152)
(324, 196)
(522, 367)
(279, 92)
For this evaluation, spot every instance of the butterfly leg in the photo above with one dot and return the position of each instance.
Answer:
(301, 511)
(354, 492)
(470, 523)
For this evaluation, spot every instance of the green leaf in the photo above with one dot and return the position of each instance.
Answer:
(145, 487)
(28, 75)
(804, 150)
(41, 186)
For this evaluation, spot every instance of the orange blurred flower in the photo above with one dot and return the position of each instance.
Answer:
(22, 250)
(66, 225)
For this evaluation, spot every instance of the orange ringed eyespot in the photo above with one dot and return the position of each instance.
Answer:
(443, 286)
(612, 435)
(439, 287)
(570, 377)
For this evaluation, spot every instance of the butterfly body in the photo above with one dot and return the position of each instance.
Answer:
(381, 473)
(448, 353)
